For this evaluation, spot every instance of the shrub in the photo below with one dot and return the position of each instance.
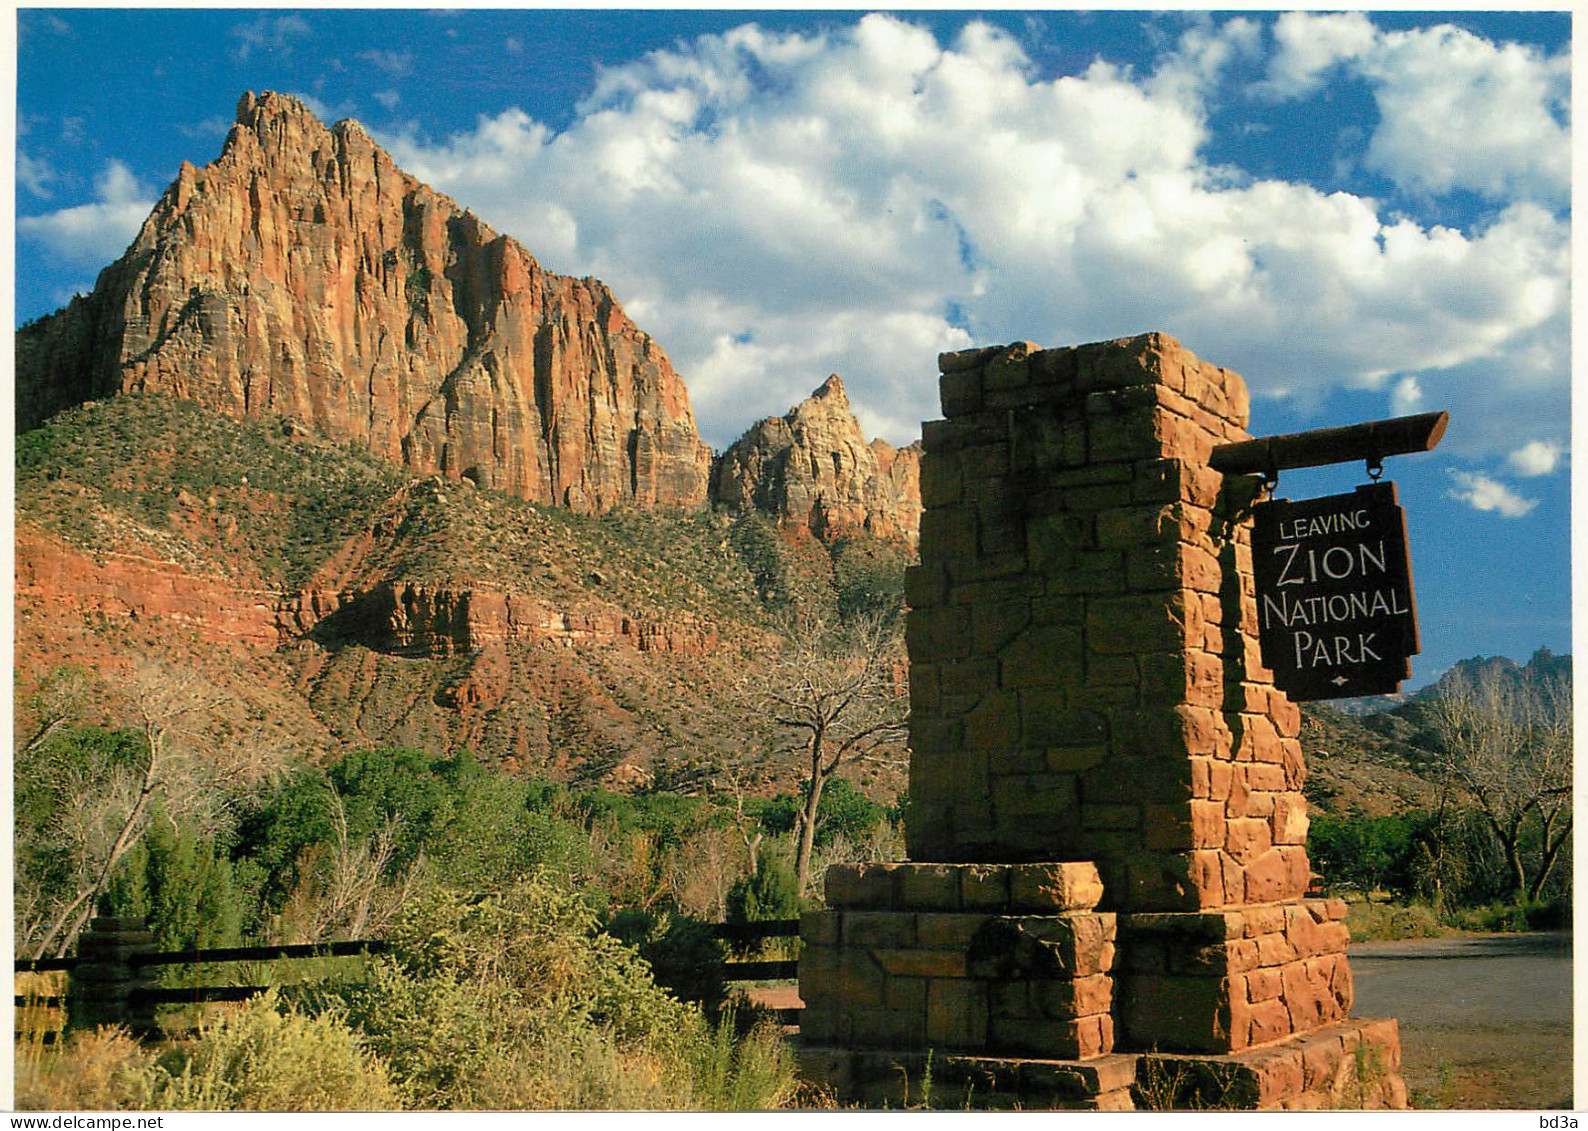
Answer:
(438, 1035)
(260, 1058)
(1389, 921)
(750, 1073)
(255, 1058)
(771, 893)
(98, 1070)
(478, 987)
(1513, 917)
(1554, 915)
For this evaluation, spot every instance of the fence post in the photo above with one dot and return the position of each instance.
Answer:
(103, 986)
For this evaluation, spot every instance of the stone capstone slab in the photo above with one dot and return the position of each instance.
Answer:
(1040, 887)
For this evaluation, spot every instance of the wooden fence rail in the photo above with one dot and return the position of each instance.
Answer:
(109, 983)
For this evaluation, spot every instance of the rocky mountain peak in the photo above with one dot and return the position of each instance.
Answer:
(830, 394)
(302, 274)
(258, 111)
(813, 469)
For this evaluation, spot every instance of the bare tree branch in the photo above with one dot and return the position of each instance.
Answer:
(194, 773)
(1508, 745)
(834, 692)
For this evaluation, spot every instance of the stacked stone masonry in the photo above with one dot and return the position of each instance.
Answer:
(1230, 980)
(1086, 684)
(969, 958)
(1353, 1064)
(1084, 671)
(903, 1079)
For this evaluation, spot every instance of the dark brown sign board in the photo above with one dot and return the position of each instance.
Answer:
(1336, 616)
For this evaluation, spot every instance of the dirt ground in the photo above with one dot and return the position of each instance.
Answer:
(1485, 1020)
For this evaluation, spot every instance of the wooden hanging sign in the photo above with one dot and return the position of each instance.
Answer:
(1336, 613)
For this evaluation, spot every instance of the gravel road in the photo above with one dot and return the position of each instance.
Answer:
(1485, 1020)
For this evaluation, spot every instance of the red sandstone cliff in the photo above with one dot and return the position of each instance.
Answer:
(812, 468)
(303, 274)
(397, 616)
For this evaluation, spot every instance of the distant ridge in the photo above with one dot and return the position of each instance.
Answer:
(1543, 664)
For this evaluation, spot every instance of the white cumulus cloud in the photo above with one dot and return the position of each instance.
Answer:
(1535, 458)
(1311, 46)
(1456, 111)
(91, 235)
(1482, 493)
(1407, 396)
(776, 207)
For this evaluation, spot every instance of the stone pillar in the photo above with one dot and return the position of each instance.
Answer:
(102, 988)
(1086, 685)
(1084, 670)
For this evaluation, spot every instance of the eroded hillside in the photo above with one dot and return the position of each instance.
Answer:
(358, 605)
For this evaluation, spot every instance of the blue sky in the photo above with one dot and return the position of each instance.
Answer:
(1364, 214)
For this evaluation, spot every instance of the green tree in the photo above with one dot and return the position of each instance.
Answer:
(72, 789)
(338, 852)
(183, 882)
(184, 765)
(60, 699)
(418, 791)
(1370, 853)
(771, 892)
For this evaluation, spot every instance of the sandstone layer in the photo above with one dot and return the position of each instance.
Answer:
(400, 617)
(53, 576)
(303, 274)
(415, 619)
(812, 469)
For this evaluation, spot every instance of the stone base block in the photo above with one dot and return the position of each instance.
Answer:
(996, 960)
(1222, 981)
(1350, 1065)
(877, 1078)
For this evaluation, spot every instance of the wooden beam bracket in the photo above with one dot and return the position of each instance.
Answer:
(1370, 442)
